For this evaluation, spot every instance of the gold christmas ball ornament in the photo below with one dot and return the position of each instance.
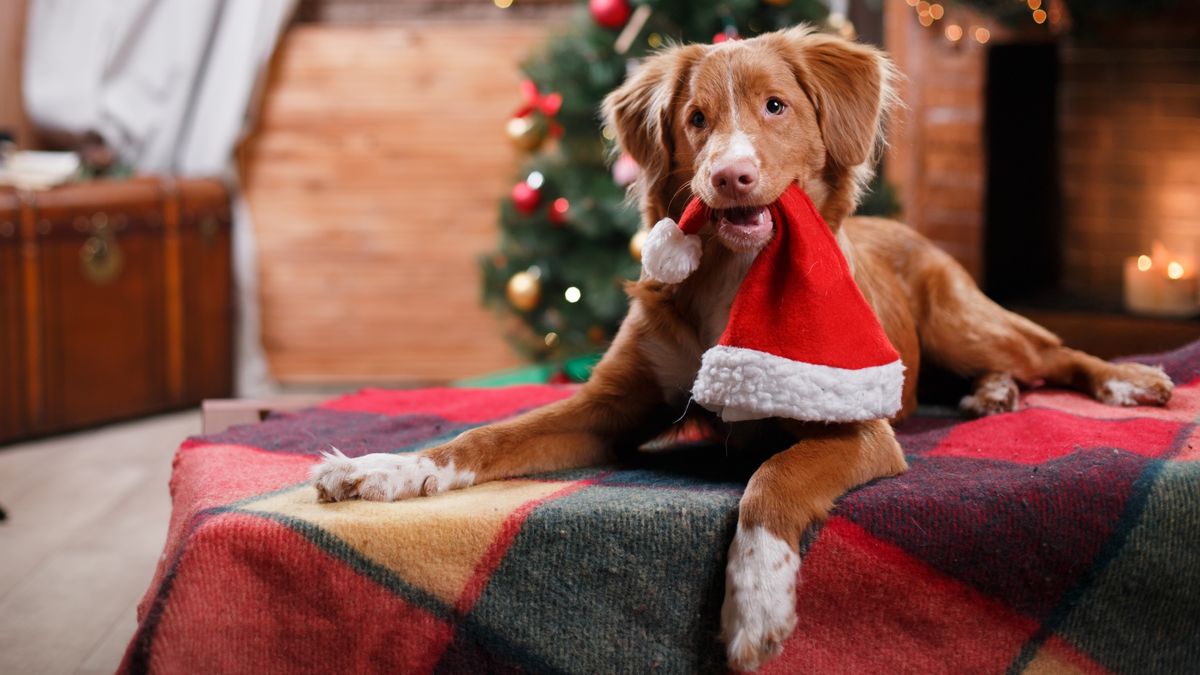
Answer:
(524, 290)
(527, 133)
(636, 243)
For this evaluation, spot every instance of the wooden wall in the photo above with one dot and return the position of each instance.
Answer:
(936, 159)
(374, 181)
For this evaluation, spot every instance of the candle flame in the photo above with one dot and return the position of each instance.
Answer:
(1144, 263)
(1177, 264)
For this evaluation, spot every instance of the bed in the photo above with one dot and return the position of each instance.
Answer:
(1064, 537)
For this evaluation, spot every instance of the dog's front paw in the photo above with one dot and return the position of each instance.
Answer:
(759, 611)
(1135, 384)
(384, 477)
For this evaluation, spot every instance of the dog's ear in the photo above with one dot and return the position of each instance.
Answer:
(851, 86)
(639, 112)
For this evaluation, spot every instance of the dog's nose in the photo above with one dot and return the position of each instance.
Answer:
(735, 179)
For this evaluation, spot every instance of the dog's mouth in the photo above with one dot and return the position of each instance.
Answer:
(744, 228)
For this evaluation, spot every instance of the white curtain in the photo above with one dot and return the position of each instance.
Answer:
(170, 85)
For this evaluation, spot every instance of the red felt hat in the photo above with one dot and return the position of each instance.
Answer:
(801, 341)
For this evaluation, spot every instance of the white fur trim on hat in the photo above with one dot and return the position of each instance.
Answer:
(669, 255)
(745, 384)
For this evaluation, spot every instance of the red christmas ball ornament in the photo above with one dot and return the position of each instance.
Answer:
(610, 14)
(558, 211)
(526, 197)
(625, 170)
(727, 34)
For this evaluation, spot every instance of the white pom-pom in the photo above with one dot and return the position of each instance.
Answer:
(669, 255)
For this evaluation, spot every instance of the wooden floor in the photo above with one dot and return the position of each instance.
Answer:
(87, 517)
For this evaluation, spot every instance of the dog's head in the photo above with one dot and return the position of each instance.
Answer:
(736, 123)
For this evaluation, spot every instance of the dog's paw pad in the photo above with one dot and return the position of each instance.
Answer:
(759, 610)
(1135, 384)
(994, 394)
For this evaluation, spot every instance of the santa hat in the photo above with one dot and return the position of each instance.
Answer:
(801, 341)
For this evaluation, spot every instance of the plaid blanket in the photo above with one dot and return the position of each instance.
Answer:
(1064, 537)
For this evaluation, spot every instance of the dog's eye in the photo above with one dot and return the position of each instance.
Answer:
(775, 106)
(697, 119)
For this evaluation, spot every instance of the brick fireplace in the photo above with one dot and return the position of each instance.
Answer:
(1129, 139)
(1042, 162)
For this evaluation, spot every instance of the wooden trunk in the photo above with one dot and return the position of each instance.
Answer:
(116, 300)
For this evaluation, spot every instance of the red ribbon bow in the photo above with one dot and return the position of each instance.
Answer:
(548, 105)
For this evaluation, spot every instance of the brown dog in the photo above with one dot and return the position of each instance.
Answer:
(735, 124)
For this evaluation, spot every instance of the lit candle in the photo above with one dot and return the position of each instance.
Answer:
(1161, 284)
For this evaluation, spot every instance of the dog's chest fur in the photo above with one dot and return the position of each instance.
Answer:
(702, 305)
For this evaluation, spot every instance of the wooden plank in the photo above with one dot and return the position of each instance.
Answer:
(374, 180)
(41, 637)
(79, 551)
(12, 45)
(221, 413)
(14, 420)
(372, 11)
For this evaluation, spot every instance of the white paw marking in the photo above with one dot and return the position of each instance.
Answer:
(759, 611)
(1137, 384)
(383, 477)
(668, 254)
(993, 395)
(1121, 392)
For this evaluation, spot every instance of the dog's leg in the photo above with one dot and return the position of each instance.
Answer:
(1031, 359)
(964, 331)
(1125, 384)
(621, 403)
(788, 493)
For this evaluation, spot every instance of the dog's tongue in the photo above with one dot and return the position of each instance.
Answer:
(745, 224)
(745, 216)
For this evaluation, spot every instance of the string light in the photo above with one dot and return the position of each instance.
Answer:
(535, 179)
(654, 40)
(503, 4)
(572, 295)
(1144, 263)
(1174, 270)
(1039, 16)
(1035, 4)
(930, 12)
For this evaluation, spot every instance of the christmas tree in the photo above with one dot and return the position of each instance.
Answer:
(569, 238)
